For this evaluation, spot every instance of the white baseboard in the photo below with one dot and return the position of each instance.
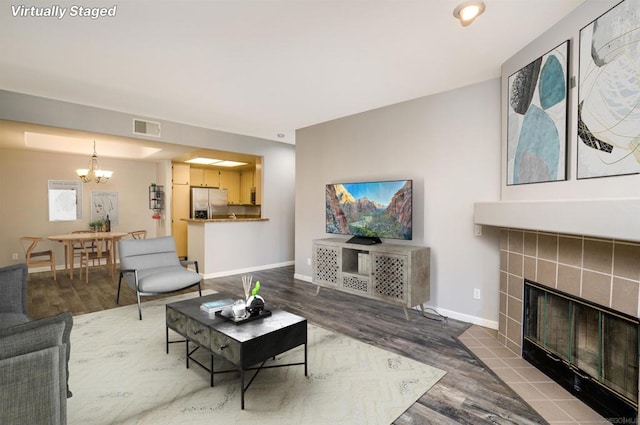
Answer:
(247, 270)
(44, 269)
(491, 324)
(207, 276)
(59, 268)
(448, 313)
(302, 277)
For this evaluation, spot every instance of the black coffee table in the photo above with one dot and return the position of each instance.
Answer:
(248, 345)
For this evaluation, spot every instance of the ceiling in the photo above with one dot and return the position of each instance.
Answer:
(262, 68)
(18, 135)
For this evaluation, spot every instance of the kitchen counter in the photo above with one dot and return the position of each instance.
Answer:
(223, 219)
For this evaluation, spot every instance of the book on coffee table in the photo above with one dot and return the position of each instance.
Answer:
(218, 305)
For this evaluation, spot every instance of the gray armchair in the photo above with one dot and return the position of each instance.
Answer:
(152, 267)
(33, 357)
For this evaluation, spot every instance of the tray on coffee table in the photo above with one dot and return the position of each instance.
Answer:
(238, 321)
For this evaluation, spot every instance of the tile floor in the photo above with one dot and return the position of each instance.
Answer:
(549, 399)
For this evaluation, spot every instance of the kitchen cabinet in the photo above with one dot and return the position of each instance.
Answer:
(180, 201)
(221, 179)
(257, 181)
(180, 173)
(230, 180)
(204, 178)
(180, 210)
(246, 186)
(197, 176)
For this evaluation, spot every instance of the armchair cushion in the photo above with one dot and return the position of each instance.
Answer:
(141, 254)
(162, 279)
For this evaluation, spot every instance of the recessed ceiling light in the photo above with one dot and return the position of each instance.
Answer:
(280, 135)
(229, 164)
(203, 161)
(216, 162)
(468, 11)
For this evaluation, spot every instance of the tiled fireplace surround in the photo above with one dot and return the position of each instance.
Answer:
(603, 271)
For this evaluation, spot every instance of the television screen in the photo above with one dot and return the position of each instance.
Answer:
(379, 209)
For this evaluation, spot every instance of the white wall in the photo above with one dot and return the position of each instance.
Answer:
(449, 144)
(603, 207)
(278, 164)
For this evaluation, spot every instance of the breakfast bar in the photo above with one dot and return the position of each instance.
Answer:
(223, 244)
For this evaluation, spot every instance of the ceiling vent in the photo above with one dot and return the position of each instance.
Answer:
(146, 128)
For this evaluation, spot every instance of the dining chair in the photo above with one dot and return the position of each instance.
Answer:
(77, 248)
(138, 234)
(38, 258)
(95, 250)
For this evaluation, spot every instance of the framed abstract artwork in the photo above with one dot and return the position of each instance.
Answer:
(104, 204)
(609, 94)
(537, 119)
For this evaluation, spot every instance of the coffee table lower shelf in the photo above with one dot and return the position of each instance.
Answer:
(257, 369)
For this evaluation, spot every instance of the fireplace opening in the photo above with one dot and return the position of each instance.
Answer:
(589, 349)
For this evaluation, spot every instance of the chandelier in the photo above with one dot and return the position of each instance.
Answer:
(94, 173)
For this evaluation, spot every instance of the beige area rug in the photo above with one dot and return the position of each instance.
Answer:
(120, 374)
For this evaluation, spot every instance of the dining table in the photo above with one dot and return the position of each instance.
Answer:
(68, 239)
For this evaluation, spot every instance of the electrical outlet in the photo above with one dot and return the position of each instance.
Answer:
(476, 294)
(308, 261)
(14, 256)
(477, 230)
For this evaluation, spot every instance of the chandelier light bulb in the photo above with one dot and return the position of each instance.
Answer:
(94, 173)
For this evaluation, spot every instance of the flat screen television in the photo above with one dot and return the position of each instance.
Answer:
(371, 210)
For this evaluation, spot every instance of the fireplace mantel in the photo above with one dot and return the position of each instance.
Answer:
(606, 218)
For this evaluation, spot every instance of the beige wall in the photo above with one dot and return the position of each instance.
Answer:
(24, 177)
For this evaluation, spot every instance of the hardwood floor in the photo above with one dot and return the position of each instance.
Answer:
(468, 394)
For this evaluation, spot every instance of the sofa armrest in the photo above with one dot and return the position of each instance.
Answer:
(38, 335)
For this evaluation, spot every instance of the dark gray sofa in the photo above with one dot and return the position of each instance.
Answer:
(13, 299)
(33, 357)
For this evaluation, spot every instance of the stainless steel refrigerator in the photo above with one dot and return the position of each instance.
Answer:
(206, 202)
